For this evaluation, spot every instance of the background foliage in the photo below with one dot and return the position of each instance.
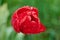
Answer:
(49, 13)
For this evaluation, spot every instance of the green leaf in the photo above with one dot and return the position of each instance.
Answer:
(3, 14)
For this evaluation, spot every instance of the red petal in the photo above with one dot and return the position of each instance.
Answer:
(15, 23)
(17, 20)
(31, 27)
(27, 10)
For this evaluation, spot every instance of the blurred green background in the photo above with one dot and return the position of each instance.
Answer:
(49, 13)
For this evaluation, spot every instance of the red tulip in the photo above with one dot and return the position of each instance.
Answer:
(26, 20)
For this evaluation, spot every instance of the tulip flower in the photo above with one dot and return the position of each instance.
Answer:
(26, 20)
